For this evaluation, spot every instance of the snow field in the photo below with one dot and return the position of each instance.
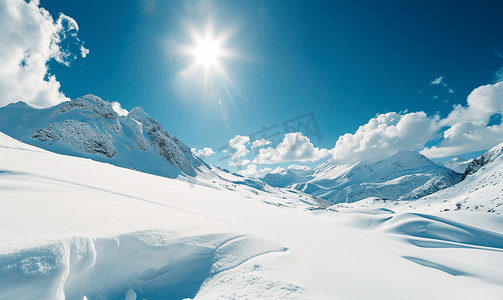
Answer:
(72, 228)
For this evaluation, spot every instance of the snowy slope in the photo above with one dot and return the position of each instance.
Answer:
(486, 158)
(285, 178)
(481, 191)
(89, 127)
(104, 232)
(407, 175)
(458, 164)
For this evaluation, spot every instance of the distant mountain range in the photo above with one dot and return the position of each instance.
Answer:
(89, 127)
(407, 175)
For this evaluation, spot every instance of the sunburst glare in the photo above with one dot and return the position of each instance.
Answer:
(207, 51)
(209, 57)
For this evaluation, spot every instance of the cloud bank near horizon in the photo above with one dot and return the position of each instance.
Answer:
(467, 128)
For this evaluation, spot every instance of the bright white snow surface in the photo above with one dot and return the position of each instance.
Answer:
(458, 164)
(406, 175)
(73, 228)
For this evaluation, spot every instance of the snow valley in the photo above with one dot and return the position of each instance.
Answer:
(99, 205)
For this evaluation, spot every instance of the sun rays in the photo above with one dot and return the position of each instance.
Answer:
(207, 55)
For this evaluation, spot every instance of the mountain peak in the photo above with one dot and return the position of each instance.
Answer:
(408, 154)
(137, 111)
(458, 164)
(457, 160)
(89, 103)
(90, 127)
(93, 98)
(19, 104)
(486, 158)
(407, 159)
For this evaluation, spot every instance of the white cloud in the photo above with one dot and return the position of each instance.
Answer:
(467, 125)
(238, 143)
(483, 102)
(202, 153)
(437, 81)
(251, 171)
(440, 80)
(297, 167)
(29, 39)
(116, 106)
(277, 170)
(263, 172)
(386, 134)
(466, 130)
(295, 147)
(239, 163)
(466, 136)
(434, 97)
(83, 51)
(260, 143)
(451, 91)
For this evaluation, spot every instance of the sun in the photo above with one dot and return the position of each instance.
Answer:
(207, 51)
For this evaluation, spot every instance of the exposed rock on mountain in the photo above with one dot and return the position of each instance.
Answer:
(486, 158)
(89, 127)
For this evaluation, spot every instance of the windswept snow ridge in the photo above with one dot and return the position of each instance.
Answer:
(150, 264)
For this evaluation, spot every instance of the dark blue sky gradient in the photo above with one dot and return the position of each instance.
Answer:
(344, 60)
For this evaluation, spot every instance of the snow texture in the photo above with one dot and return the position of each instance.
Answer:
(74, 228)
(90, 127)
(458, 164)
(407, 175)
(486, 158)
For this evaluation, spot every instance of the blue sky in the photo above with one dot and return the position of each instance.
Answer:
(345, 61)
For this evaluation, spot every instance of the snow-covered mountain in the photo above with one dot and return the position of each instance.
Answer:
(486, 158)
(285, 178)
(480, 191)
(458, 164)
(74, 228)
(89, 127)
(407, 175)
